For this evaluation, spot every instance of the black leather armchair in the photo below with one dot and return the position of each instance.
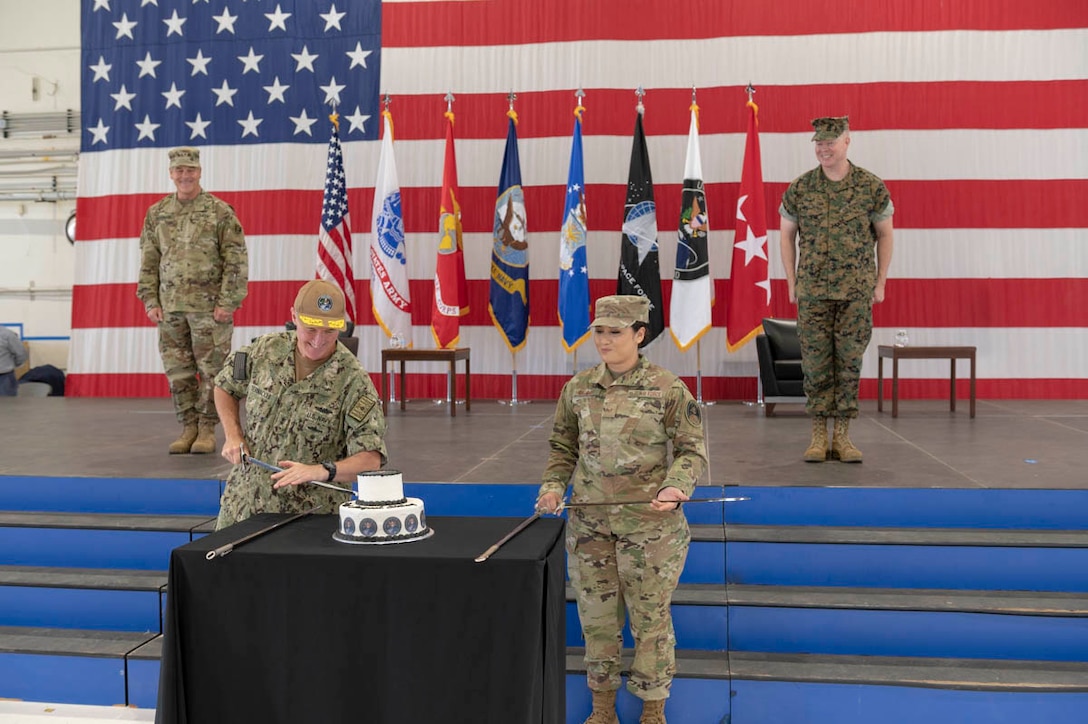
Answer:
(779, 353)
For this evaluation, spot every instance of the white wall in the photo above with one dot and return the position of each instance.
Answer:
(39, 39)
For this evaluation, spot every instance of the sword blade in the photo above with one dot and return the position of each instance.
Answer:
(246, 458)
(647, 502)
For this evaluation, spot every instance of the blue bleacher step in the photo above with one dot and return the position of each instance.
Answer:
(66, 666)
(82, 598)
(96, 540)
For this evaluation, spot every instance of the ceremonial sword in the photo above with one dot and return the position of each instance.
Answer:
(564, 506)
(246, 460)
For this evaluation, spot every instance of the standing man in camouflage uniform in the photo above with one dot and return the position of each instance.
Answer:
(193, 275)
(840, 212)
(610, 440)
(310, 409)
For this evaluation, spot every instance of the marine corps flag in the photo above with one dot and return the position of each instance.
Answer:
(334, 255)
(450, 287)
(509, 302)
(689, 317)
(573, 270)
(750, 289)
(389, 295)
(640, 271)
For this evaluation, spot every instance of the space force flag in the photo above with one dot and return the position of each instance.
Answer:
(640, 270)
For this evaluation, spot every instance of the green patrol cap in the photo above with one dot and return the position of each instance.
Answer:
(320, 304)
(185, 156)
(621, 310)
(830, 128)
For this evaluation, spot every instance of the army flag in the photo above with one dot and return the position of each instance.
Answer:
(750, 287)
(689, 313)
(640, 270)
(389, 296)
(573, 269)
(334, 256)
(509, 300)
(450, 286)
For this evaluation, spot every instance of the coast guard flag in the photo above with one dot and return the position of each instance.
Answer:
(573, 272)
(389, 295)
(640, 270)
(750, 289)
(450, 287)
(509, 304)
(689, 312)
(334, 240)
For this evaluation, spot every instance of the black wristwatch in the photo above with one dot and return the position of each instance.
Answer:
(331, 467)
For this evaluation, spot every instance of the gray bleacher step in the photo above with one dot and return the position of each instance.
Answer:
(70, 642)
(968, 674)
(148, 651)
(972, 674)
(105, 521)
(857, 535)
(1028, 603)
(90, 578)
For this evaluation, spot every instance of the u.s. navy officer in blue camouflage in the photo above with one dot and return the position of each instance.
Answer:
(610, 441)
(838, 214)
(310, 408)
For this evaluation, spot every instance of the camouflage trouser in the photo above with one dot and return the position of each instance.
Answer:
(192, 343)
(641, 570)
(834, 335)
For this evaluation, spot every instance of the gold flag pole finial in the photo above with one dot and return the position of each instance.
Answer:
(578, 107)
(511, 113)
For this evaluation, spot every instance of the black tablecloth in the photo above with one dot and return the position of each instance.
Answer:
(297, 628)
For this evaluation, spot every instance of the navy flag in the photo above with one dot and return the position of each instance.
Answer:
(640, 270)
(509, 304)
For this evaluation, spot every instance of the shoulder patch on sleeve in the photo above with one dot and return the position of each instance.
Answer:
(362, 408)
(693, 414)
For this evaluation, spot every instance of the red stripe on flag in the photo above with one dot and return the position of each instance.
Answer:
(887, 106)
(956, 204)
(909, 303)
(408, 25)
(547, 387)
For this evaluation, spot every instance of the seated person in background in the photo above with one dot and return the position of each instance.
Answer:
(310, 408)
(12, 355)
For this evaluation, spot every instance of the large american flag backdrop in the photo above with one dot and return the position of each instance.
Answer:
(974, 112)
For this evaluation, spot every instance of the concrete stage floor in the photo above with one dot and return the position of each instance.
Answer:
(1009, 444)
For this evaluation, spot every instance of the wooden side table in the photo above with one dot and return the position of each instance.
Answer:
(910, 352)
(428, 355)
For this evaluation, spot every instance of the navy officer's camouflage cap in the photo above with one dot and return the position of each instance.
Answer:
(320, 304)
(620, 310)
(830, 128)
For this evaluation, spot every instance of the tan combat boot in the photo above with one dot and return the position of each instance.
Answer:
(841, 447)
(653, 712)
(205, 439)
(183, 443)
(818, 449)
(604, 708)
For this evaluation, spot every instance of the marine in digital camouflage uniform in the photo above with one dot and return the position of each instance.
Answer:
(194, 271)
(836, 247)
(610, 440)
(310, 407)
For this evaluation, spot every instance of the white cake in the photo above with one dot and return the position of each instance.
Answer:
(380, 513)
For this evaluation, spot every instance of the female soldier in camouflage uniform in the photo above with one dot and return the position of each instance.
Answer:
(613, 426)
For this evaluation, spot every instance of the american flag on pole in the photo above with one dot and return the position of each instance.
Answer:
(750, 278)
(975, 113)
(334, 254)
